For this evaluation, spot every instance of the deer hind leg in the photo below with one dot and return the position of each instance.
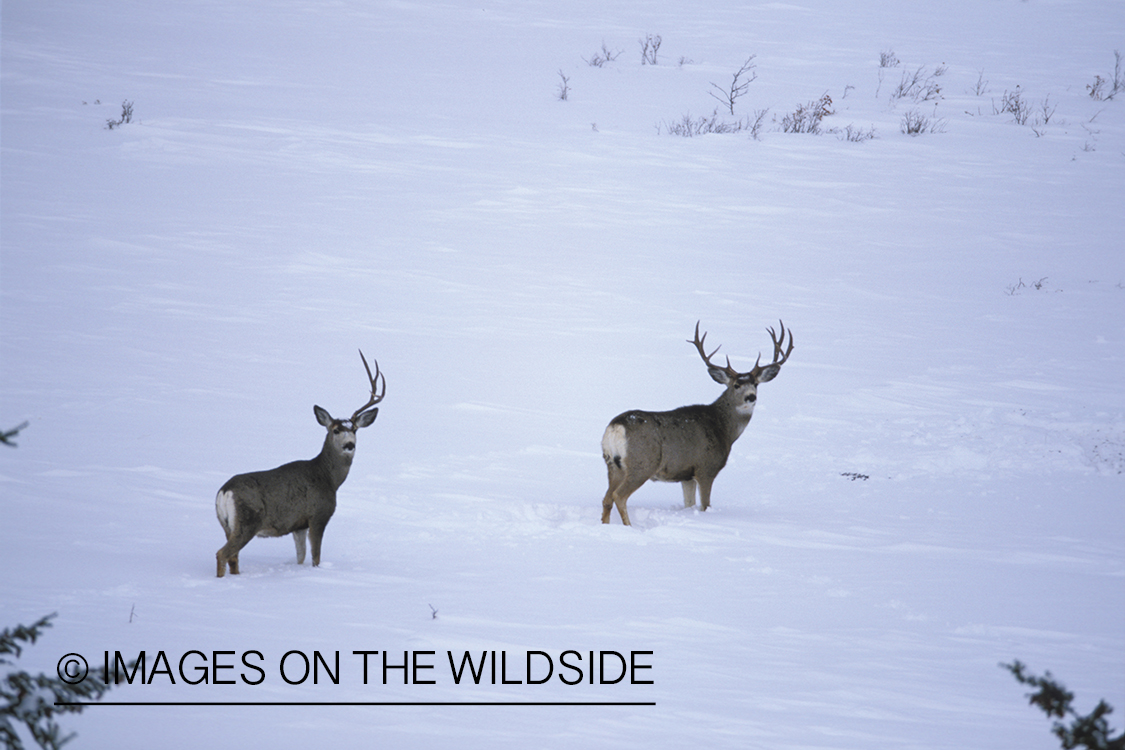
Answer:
(611, 499)
(615, 446)
(688, 487)
(240, 524)
(621, 486)
(607, 504)
(228, 554)
(620, 503)
(299, 542)
(616, 495)
(616, 475)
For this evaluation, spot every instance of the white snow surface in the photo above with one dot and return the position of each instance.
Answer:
(933, 485)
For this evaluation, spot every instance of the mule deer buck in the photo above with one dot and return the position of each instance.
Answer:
(298, 497)
(689, 445)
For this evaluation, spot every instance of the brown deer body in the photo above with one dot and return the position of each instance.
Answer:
(297, 498)
(689, 445)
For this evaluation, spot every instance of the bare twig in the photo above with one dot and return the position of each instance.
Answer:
(739, 84)
(649, 46)
(564, 87)
(601, 58)
(7, 435)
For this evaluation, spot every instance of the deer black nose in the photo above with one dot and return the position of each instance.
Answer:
(751, 398)
(349, 446)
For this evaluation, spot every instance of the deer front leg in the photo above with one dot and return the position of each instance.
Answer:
(705, 492)
(316, 533)
(299, 542)
(688, 487)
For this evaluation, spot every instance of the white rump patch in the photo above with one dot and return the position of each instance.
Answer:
(614, 443)
(224, 509)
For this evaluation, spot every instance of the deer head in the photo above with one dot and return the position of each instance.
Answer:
(341, 432)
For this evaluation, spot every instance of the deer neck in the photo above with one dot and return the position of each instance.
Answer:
(734, 412)
(336, 458)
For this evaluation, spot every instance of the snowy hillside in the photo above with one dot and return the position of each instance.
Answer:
(934, 483)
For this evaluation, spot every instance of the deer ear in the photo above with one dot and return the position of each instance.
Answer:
(719, 375)
(322, 416)
(769, 372)
(366, 418)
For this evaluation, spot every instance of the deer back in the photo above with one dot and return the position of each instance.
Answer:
(279, 501)
(673, 446)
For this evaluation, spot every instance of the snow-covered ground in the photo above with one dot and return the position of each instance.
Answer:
(933, 484)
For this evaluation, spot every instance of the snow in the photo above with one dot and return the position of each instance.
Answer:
(931, 486)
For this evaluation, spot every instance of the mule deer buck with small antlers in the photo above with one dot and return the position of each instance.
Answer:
(689, 445)
(296, 498)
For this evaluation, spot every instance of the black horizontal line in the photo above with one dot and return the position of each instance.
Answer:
(356, 703)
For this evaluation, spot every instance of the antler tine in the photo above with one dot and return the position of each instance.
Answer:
(376, 394)
(698, 342)
(779, 342)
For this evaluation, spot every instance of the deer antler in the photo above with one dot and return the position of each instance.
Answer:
(707, 357)
(376, 395)
(777, 344)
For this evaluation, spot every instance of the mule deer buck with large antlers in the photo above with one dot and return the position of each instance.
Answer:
(689, 445)
(296, 498)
